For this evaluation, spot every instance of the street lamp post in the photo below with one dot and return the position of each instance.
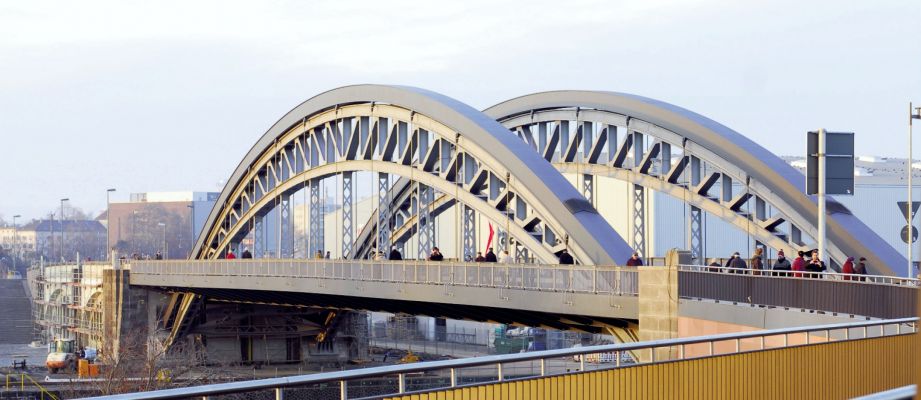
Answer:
(62, 227)
(163, 246)
(108, 222)
(15, 237)
(913, 114)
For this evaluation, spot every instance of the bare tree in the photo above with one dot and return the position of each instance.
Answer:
(144, 363)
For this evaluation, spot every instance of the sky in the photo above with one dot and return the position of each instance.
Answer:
(170, 95)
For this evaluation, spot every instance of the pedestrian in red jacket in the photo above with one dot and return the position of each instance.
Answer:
(848, 268)
(799, 264)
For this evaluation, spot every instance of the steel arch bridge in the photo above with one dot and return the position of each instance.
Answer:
(430, 153)
(437, 145)
(636, 139)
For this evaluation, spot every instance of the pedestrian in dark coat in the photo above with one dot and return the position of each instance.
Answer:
(737, 264)
(395, 254)
(861, 268)
(566, 258)
(491, 257)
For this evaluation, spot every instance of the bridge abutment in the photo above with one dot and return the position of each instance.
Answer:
(658, 303)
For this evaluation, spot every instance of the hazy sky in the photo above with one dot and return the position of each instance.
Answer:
(169, 96)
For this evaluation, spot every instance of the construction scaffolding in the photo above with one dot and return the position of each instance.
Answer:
(67, 302)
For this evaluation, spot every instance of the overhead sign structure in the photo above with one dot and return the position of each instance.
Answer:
(839, 163)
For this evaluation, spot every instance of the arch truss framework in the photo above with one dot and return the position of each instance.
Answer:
(426, 161)
(437, 165)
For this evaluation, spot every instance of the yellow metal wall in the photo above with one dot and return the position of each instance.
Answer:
(825, 371)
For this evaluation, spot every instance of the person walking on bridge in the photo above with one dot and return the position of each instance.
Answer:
(230, 255)
(737, 264)
(781, 264)
(566, 258)
(815, 265)
(757, 261)
(479, 257)
(395, 254)
(506, 258)
(436, 255)
(848, 269)
(799, 264)
(246, 254)
(635, 260)
(861, 268)
(490, 256)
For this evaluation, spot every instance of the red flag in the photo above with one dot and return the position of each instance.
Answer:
(489, 241)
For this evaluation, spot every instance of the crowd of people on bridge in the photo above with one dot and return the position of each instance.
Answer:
(782, 266)
(800, 266)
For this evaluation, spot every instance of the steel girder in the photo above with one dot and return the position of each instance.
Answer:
(500, 174)
(728, 156)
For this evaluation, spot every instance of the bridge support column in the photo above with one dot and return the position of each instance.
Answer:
(639, 220)
(128, 315)
(426, 224)
(258, 237)
(469, 233)
(315, 224)
(347, 234)
(696, 237)
(658, 303)
(285, 231)
(588, 188)
(383, 213)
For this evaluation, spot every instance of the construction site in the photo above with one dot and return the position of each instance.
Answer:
(67, 302)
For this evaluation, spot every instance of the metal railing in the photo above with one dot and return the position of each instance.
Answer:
(835, 276)
(573, 360)
(559, 278)
(872, 296)
(19, 383)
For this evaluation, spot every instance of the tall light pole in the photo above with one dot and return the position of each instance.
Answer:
(913, 114)
(108, 222)
(193, 238)
(163, 246)
(62, 226)
(15, 236)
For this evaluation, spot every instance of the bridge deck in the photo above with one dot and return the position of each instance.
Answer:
(556, 296)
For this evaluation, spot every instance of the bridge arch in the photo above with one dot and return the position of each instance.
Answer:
(438, 143)
(633, 138)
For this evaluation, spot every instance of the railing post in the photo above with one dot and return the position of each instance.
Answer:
(595, 280)
(710, 344)
(280, 393)
(343, 391)
(681, 351)
(543, 367)
(499, 368)
(617, 358)
(401, 383)
(453, 377)
(582, 362)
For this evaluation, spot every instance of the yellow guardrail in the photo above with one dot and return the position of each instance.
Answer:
(12, 384)
(835, 370)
